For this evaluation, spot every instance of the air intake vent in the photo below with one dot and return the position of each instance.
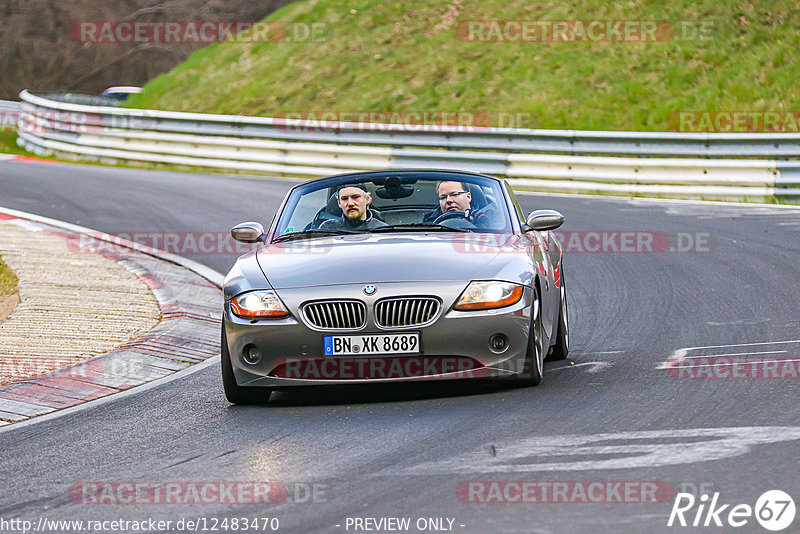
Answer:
(336, 314)
(406, 311)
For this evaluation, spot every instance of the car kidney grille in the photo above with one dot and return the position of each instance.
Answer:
(336, 314)
(406, 311)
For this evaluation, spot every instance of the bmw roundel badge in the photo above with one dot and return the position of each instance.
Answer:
(370, 289)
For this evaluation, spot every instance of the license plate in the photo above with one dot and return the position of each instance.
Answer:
(372, 344)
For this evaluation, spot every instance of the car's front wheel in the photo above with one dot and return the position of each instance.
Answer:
(235, 393)
(534, 357)
(561, 349)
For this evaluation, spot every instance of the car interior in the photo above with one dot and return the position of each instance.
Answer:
(394, 202)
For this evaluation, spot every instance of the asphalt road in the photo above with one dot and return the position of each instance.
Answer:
(607, 414)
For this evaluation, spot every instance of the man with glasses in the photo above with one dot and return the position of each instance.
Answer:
(456, 197)
(453, 196)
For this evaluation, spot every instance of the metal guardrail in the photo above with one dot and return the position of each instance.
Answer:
(545, 160)
(9, 115)
(8, 105)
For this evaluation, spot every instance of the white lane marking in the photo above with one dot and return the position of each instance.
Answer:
(596, 366)
(8, 156)
(540, 453)
(214, 360)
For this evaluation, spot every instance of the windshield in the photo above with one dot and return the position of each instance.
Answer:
(395, 203)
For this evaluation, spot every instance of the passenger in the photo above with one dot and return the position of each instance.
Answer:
(354, 199)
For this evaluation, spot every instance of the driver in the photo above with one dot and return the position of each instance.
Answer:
(455, 197)
(354, 201)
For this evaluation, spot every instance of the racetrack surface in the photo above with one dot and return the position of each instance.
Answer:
(403, 451)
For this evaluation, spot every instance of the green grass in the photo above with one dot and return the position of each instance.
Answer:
(8, 143)
(403, 56)
(8, 280)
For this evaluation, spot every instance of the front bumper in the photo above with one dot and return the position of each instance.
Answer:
(455, 346)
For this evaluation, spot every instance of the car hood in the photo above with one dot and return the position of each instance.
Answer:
(369, 258)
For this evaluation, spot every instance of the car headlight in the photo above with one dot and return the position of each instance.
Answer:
(488, 295)
(259, 304)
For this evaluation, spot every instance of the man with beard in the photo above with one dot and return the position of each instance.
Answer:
(354, 199)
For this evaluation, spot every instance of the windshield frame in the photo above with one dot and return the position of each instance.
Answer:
(294, 195)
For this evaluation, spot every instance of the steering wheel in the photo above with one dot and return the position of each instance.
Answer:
(458, 217)
(450, 215)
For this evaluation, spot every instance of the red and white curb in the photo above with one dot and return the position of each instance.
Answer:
(31, 159)
(190, 300)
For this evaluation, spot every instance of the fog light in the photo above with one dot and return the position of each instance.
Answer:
(251, 354)
(498, 343)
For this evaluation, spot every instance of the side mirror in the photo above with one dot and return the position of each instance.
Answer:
(544, 220)
(248, 232)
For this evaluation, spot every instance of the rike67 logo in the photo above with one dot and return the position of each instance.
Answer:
(774, 510)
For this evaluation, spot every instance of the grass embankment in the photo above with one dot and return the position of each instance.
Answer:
(415, 56)
(8, 143)
(8, 280)
(8, 290)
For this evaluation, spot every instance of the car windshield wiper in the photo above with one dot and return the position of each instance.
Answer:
(419, 227)
(308, 234)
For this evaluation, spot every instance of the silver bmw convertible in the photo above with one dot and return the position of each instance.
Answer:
(393, 276)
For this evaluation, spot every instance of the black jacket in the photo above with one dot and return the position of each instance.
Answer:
(343, 223)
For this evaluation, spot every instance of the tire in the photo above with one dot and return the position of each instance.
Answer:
(561, 348)
(235, 393)
(534, 356)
